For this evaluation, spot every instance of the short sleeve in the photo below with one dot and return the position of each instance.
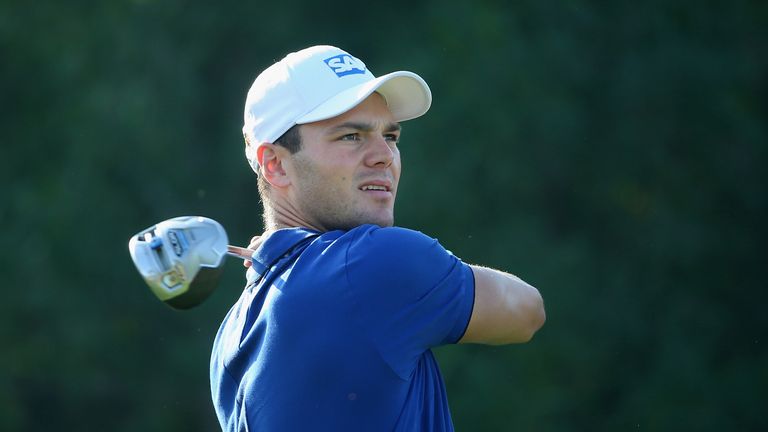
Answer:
(411, 294)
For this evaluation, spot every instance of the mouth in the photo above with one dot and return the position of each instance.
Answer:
(374, 188)
(379, 189)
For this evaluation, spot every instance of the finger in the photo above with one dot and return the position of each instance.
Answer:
(254, 244)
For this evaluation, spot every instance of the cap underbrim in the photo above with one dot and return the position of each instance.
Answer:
(406, 93)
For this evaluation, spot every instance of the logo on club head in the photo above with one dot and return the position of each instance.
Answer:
(176, 242)
(345, 64)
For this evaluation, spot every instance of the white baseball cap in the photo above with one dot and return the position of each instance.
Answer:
(319, 83)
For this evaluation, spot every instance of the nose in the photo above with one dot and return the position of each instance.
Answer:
(380, 153)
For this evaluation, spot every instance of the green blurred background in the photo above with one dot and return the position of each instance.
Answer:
(613, 154)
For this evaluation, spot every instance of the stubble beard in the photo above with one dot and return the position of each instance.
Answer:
(328, 205)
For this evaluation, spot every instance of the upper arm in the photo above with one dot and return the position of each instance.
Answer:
(506, 310)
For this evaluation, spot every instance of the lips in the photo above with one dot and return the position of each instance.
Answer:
(376, 185)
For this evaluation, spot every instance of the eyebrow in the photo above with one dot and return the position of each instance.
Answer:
(364, 127)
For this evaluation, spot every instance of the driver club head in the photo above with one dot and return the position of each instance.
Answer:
(180, 259)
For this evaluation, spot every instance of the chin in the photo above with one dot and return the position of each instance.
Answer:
(380, 220)
(383, 218)
(384, 222)
(349, 220)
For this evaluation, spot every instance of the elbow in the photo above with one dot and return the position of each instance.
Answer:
(538, 316)
(530, 318)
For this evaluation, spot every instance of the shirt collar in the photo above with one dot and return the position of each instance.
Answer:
(277, 245)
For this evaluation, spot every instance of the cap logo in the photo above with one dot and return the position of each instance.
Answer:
(345, 64)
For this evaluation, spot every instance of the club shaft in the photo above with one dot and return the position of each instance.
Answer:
(239, 252)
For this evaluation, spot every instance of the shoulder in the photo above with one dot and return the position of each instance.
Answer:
(394, 252)
(380, 238)
(411, 291)
(389, 242)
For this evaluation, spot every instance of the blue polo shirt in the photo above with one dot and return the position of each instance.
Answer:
(333, 333)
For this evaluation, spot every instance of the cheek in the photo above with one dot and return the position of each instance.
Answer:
(324, 183)
(330, 175)
(396, 166)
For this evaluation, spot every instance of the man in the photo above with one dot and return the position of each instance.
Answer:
(334, 328)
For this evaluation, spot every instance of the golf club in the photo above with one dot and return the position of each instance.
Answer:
(181, 258)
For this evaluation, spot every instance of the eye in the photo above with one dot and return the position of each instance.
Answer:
(393, 138)
(350, 137)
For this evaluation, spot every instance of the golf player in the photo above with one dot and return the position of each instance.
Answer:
(334, 329)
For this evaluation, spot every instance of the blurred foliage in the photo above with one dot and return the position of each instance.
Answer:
(612, 154)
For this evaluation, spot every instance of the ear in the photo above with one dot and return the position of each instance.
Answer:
(271, 158)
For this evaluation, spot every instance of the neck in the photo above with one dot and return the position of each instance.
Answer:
(279, 215)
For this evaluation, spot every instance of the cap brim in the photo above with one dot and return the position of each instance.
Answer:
(406, 93)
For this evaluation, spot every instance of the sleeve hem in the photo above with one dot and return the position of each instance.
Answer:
(471, 292)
